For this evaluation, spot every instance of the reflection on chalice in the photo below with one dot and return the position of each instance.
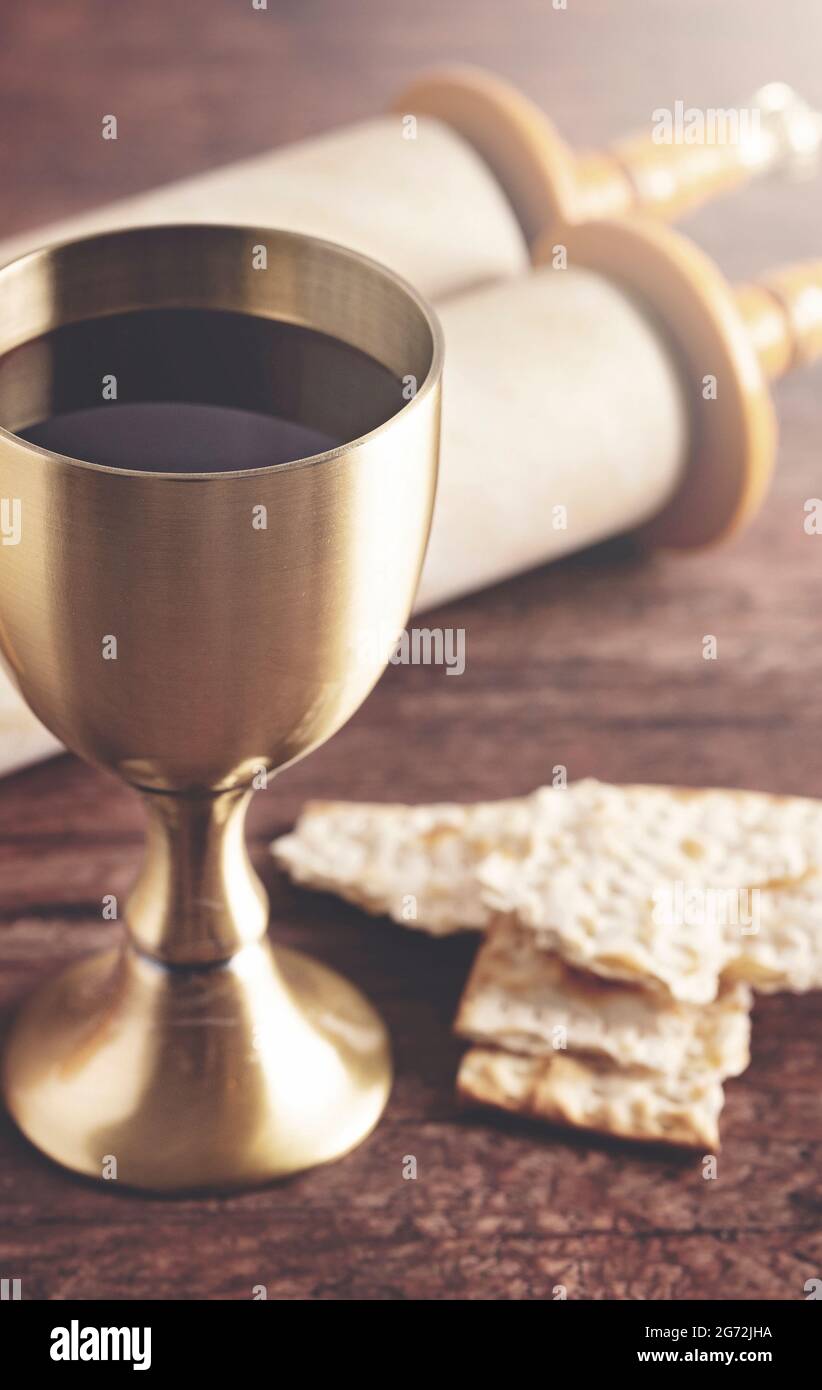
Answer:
(224, 478)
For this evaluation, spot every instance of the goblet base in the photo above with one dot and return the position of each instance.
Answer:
(178, 1078)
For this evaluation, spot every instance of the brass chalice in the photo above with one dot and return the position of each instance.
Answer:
(195, 626)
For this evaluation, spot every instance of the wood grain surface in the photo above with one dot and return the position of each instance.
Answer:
(596, 664)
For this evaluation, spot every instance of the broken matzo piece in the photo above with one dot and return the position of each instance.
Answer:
(638, 891)
(527, 1000)
(596, 868)
(593, 1094)
(416, 864)
(777, 943)
(600, 919)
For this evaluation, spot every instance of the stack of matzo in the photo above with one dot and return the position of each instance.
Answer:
(625, 927)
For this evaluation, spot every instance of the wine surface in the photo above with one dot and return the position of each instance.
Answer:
(189, 390)
(176, 437)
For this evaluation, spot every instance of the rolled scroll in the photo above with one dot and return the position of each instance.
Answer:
(564, 420)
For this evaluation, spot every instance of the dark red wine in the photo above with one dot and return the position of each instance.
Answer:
(173, 437)
(188, 390)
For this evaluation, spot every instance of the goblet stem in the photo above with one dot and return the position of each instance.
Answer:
(198, 898)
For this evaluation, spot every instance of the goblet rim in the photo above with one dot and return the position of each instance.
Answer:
(429, 384)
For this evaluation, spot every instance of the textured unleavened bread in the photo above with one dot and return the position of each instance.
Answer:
(379, 856)
(527, 1000)
(417, 864)
(594, 870)
(591, 1094)
(652, 885)
(779, 944)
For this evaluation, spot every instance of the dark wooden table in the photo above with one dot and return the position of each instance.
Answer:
(596, 664)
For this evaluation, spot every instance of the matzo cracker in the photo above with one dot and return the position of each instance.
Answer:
(599, 872)
(781, 948)
(640, 890)
(523, 999)
(596, 1095)
(416, 864)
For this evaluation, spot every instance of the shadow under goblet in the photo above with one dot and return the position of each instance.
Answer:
(195, 612)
